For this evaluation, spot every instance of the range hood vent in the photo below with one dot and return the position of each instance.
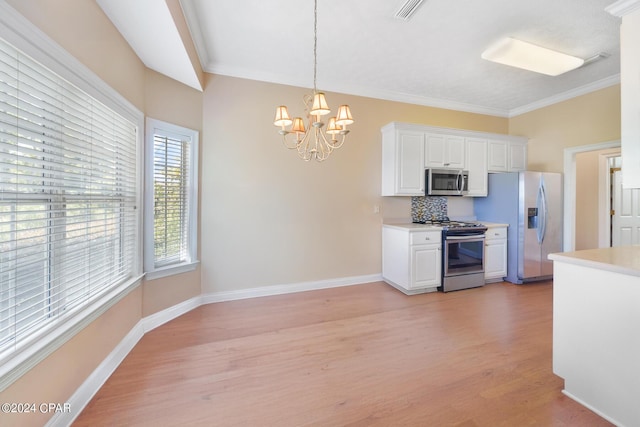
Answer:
(408, 9)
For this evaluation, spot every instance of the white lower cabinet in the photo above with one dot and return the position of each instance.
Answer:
(425, 265)
(411, 258)
(495, 254)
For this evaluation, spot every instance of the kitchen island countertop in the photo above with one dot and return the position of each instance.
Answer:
(620, 259)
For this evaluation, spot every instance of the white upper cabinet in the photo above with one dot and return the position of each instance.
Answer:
(517, 156)
(498, 156)
(402, 163)
(409, 149)
(445, 151)
(507, 155)
(477, 167)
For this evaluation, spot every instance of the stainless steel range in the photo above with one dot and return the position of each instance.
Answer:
(462, 255)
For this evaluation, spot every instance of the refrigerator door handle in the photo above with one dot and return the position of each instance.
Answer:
(542, 211)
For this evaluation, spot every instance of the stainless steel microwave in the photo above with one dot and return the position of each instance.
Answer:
(446, 182)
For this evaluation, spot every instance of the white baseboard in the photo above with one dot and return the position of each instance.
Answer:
(288, 288)
(151, 322)
(592, 409)
(99, 376)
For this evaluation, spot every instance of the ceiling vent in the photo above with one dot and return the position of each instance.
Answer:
(408, 9)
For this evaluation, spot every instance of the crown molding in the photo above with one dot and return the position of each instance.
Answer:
(623, 7)
(422, 100)
(193, 23)
(564, 96)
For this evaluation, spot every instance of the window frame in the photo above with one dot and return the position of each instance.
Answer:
(23, 35)
(153, 127)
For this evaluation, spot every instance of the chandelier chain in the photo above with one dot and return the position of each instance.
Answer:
(315, 44)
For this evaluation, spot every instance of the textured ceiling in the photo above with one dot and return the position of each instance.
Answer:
(431, 59)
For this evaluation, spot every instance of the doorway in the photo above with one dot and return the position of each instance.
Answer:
(570, 186)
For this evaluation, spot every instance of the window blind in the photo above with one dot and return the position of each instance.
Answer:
(171, 168)
(67, 197)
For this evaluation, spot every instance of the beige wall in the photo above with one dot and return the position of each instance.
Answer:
(584, 120)
(269, 218)
(587, 181)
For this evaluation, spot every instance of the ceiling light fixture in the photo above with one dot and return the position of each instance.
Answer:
(312, 142)
(516, 53)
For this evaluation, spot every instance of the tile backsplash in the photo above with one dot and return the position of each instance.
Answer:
(427, 208)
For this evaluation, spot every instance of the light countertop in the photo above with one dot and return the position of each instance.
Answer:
(410, 226)
(493, 224)
(621, 259)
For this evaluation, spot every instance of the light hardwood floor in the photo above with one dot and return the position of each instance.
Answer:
(363, 355)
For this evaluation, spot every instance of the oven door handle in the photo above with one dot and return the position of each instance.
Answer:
(478, 237)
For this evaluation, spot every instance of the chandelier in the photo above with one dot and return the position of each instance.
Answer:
(312, 141)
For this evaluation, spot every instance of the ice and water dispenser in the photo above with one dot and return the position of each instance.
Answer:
(532, 218)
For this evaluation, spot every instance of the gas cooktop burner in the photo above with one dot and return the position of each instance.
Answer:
(449, 223)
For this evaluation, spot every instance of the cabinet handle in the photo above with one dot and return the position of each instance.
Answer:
(446, 164)
(427, 238)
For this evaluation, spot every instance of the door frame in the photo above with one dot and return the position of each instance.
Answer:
(569, 187)
(604, 199)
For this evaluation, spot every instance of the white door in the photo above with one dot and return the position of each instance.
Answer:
(626, 217)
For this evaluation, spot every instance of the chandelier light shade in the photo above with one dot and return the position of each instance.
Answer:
(282, 116)
(319, 107)
(344, 116)
(315, 141)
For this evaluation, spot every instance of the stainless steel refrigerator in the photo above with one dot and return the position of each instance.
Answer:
(531, 204)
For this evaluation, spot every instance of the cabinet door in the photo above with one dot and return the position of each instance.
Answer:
(517, 157)
(435, 151)
(477, 166)
(495, 259)
(410, 163)
(425, 266)
(498, 156)
(445, 151)
(455, 149)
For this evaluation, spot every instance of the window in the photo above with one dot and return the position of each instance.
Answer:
(171, 199)
(68, 200)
